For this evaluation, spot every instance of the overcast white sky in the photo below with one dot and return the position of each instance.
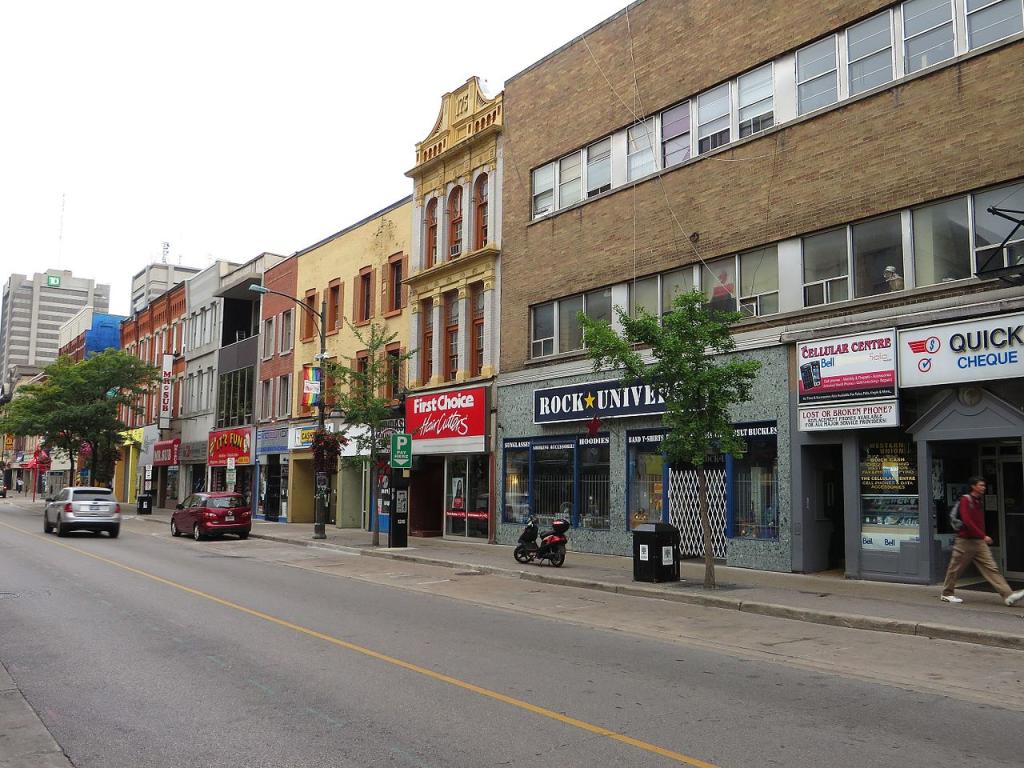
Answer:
(230, 128)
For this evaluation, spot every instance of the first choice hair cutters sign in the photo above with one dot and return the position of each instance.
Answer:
(454, 421)
(958, 353)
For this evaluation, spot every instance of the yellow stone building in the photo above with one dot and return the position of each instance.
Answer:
(453, 301)
(361, 273)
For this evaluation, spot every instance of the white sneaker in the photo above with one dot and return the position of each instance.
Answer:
(955, 599)
(1014, 597)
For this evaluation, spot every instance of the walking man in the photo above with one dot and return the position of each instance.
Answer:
(972, 547)
(20, 485)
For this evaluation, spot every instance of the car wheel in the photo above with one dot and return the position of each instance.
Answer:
(114, 532)
(47, 528)
(61, 530)
(174, 528)
(196, 533)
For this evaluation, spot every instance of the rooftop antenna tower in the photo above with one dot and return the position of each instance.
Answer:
(164, 250)
(60, 234)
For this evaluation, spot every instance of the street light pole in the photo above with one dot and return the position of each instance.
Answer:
(319, 503)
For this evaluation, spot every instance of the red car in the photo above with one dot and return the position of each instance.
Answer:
(212, 514)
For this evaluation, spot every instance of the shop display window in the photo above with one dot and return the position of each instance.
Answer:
(466, 495)
(517, 482)
(595, 492)
(553, 481)
(755, 484)
(171, 486)
(889, 501)
(646, 479)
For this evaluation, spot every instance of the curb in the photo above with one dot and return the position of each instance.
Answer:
(932, 631)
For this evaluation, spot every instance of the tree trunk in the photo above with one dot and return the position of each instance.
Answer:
(705, 525)
(375, 488)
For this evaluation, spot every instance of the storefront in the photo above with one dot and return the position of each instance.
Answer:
(881, 475)
(192, 471)
(591, 452)
(165, 472)
(301, 480)
(230, 457)
(125, 469)
(272, 473)
(450, 483)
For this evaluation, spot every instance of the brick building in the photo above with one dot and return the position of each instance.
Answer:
(828, 169)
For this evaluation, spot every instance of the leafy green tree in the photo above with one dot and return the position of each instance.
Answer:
(77, 403)
(698, 385)
(366, 393)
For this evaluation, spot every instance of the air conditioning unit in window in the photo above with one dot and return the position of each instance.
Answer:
(455, 250)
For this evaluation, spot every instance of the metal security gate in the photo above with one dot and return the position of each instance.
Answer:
(684, 510)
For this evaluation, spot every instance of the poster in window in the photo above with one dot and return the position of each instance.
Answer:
(888, 467)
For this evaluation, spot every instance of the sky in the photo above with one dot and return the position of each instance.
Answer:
(227, 129)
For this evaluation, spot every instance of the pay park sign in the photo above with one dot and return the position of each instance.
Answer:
(401, 450)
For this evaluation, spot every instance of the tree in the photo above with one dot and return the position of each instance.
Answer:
(77, 403)
(366, 392)
(697, 386)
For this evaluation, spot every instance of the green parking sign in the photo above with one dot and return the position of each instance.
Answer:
(401, 450)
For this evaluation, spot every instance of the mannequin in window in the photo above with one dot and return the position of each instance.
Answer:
(892, 278)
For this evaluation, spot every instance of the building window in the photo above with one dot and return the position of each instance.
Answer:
(675, 135)
(234, 404)
(672, 284)
(718, 279)
(640, 150)
(542, 331)
(480, 209)
(928, 33)
(476, 364)
(756, 94)
(599, 167)
(517, 484)
(990, 230)
(942, 242)
(451, 335)
(455, 222)
(570, 334)
(266, 399)
(395, 288)
(646, 479)
(759, 281)
(570, 179)
(595, 485)
(713, 119)
(430, 246)
(268, 338)
(334, 305)
(201, 402)
(826, 268)
(989, 21)
(878, 256)
(365, 298)
(869, 51)
(284, 395)
(362, 372)
(643, 296)
(553, 481)
(286, 331)
(308, 316)
(544, 190)
(817, 83)
(427, 342)
(393, 363)
(755, 484)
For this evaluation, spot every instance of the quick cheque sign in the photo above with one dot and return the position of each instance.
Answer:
(959, 353)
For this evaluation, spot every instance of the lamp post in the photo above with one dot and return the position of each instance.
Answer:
(319, 531)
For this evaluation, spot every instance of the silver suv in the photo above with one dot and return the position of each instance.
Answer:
(83, 509)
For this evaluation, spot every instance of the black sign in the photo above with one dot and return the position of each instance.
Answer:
(600, 399)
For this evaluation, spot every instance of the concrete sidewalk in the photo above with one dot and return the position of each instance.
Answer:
(24, 740)
(827, 598)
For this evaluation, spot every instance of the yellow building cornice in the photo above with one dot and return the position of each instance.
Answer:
(455, 274)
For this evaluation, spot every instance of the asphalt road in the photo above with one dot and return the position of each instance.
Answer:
(149, 651)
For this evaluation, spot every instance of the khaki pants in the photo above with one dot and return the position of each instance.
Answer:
(967, 551)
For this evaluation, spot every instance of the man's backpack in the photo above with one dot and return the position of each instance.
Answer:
(955, 521)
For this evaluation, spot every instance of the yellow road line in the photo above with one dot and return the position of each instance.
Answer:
(511, 701)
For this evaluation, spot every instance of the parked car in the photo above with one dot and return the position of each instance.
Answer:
(3, 491)
(212, 514)
(82, 508)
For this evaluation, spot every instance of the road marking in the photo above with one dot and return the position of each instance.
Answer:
(395, 662)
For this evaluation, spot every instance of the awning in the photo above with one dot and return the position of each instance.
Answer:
(165, 452)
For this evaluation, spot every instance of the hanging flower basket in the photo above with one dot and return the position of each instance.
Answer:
(326, 450)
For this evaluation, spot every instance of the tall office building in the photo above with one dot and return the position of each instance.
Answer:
(155, 280)
(31, 315)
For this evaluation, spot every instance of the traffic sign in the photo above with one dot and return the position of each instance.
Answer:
(401, 450)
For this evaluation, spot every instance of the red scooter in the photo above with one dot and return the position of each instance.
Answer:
(551, 547)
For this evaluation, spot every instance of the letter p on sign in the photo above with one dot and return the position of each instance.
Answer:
(401, 450)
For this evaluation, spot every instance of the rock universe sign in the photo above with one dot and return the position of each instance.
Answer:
(600, 399)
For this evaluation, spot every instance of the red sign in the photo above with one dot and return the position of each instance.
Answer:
(458, 413)
(230, 444)
(165, 452)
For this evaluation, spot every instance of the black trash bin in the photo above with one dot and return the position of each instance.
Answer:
(656, 552)
(144, 504)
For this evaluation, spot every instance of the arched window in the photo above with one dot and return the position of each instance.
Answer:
(480, 210)
(455, 222)
(430, 249)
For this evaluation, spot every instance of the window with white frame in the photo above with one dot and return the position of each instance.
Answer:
(759, 281)
(928, 33)
(991, 20)
(817, 83)
(878, 256)
(869, 53)
(674, 283)
(942, 242)
(713, 118)
(675, 135)
(284, 395)
(599, 167)
(718, 279)
(544, 190)
(286, 331)
(990, 230)
(570, 179)
(640, 159)
(542, 332)
(756, 96)
(826, 268)
(268, 338)
(201, 402)
(266, 399)
(644, 293)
